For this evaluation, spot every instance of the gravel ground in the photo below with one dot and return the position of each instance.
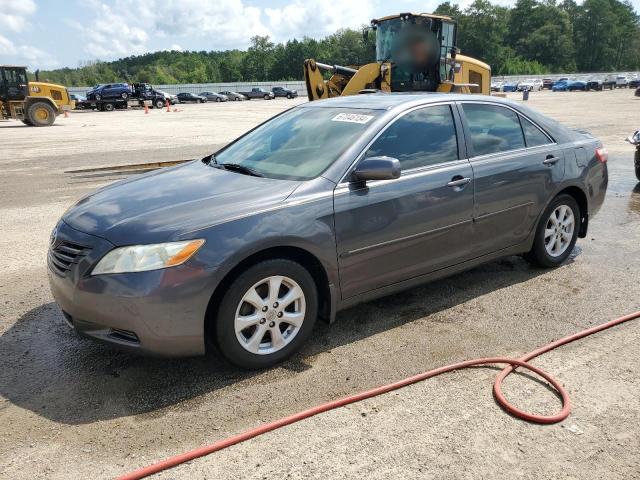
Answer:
(72, 408)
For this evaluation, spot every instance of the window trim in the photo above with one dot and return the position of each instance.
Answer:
(460, 141)
(467, 136)
(551, 140)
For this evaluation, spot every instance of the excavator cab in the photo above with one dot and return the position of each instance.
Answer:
(414, 52)
(421, 50)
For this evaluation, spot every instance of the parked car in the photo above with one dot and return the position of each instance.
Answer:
(534, 84)
(233, 95)
(324, 206)
(547, 83)
(173, 99)
(214, 97)
(560, 86)
(573, 85)
(184, 97)
(634, 82)
(609, 82)
(79, 101)
(284, 92)
(622, 81)
(258, 92)
(496, 86)
(110, 90)
(595, 84)
(510, 87)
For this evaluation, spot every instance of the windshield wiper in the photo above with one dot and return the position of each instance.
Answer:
(239, 168)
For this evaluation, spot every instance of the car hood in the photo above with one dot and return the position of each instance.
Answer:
(166, 204)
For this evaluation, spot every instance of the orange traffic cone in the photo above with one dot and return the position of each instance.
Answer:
(146, 108)
(168, 105)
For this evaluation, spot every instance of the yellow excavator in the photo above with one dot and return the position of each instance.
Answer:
(36, 103)
(414, 52)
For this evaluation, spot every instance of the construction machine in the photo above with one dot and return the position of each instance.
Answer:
(414, 52)
(33, 103)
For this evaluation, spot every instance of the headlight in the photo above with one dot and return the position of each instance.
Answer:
(142, 258)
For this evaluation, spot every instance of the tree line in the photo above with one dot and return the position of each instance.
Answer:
(532, 37)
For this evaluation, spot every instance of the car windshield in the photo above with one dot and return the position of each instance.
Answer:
(299, 144)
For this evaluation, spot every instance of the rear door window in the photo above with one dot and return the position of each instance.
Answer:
(423, 137)
(533, 135)
(493, 128)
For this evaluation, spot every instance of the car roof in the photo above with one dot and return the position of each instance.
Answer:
(399, 100)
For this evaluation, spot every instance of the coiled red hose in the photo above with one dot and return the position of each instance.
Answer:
(497, 390)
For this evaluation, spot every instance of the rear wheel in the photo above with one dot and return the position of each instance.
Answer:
(41, 114)
(266, 314)
(557, 232)
(109, 107)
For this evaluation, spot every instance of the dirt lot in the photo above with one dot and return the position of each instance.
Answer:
(71, 408)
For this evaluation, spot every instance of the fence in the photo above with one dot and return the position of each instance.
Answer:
(302, 89)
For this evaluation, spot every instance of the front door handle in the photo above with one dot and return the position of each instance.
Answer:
(551, 160)
(458, 181)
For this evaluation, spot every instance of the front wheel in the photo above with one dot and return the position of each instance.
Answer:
(218, 99)
(556, 233)
(266, 314)
(41, 114)
(159, 103)
(266, 97)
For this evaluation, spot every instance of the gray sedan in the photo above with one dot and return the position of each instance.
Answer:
(233, 95)
(214, 97)
(324, 206)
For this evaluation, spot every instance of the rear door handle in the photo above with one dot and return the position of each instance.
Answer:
(458, 181)
(551, 160)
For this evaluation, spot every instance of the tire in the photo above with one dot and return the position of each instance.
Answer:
(41, 114)
(159, 103)
(289, 96)
(98, 97)
(234, 345)
(237, 99)
(266, 97)
(218, 99)
(124, 95)
(109, 107)
(540, 253)
(27, 122)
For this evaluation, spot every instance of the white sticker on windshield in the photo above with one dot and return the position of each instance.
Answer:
(352, 118)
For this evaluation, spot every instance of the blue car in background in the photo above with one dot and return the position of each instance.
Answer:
(109, 90)
(510, 87)
(569, 85)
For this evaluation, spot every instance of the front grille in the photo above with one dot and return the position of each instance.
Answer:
(66, 254)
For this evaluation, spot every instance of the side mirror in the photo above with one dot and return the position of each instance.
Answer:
(376, 168)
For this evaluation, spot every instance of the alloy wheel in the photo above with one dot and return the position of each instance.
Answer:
(559, 230)
(270, 315)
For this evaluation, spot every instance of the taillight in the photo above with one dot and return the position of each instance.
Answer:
(602, 154)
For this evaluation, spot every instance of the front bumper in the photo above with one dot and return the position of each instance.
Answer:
(161, 312)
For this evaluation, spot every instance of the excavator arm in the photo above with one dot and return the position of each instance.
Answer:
(345, 80)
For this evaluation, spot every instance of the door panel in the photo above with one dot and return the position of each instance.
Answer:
(390, 231)
(515, 167)
(510, 192)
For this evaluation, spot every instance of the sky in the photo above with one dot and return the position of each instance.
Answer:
(49, 34)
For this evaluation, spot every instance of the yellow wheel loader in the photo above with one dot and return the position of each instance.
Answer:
(414, 52)
(33, 103)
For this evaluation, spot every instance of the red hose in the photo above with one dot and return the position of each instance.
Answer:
(497, 390)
